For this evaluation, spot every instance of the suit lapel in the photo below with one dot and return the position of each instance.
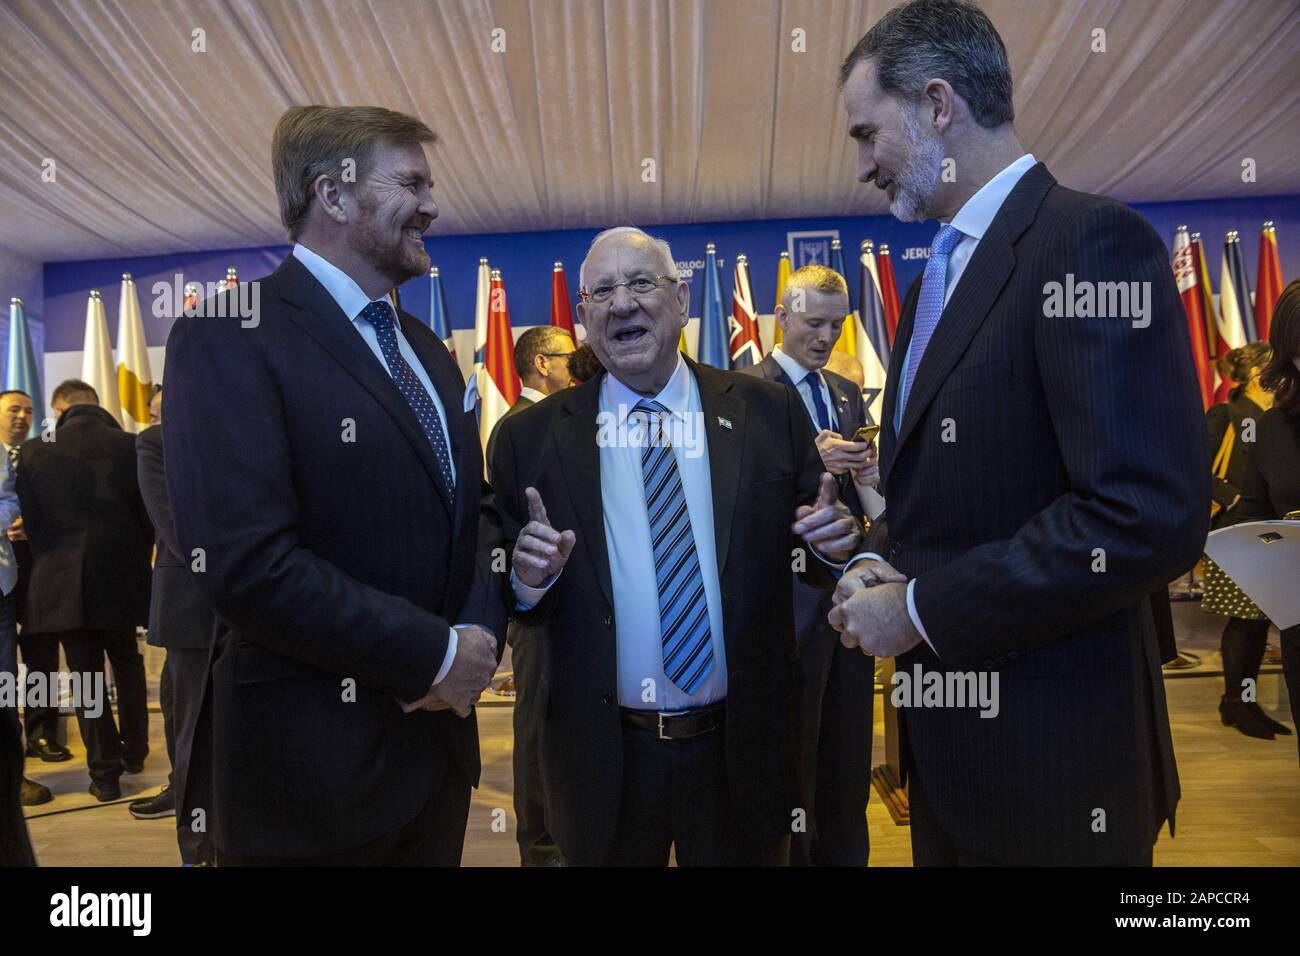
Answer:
(576, 447)
(318, 315)
(726, 443)
(981, 282)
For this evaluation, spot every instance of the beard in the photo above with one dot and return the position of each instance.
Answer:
(394, 258)
(919, 178)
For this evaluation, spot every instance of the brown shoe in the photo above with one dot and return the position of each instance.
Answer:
(34, 794)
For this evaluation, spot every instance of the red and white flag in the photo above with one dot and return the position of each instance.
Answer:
(498, 382)
(1190, 290)
(746, 347)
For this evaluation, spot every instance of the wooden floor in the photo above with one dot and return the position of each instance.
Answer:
(1240, 797)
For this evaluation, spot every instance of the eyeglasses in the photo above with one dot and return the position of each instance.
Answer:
(563, 355)
(641, 285)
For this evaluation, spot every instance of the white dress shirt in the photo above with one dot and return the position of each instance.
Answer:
(631, 554)
(796, 372)
(972, 221)
(530, 393)
(344, 290)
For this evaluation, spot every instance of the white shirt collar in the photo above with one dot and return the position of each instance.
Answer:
(342, 288)
(794, 370)
(976, 213)
(530, 393)
(675, 396)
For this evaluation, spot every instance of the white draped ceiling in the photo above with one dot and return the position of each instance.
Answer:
(161, 149)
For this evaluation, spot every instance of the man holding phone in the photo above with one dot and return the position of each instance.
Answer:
(835, 773)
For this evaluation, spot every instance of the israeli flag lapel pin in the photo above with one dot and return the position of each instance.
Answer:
(724, 422)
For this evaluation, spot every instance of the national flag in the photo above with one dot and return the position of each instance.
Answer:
(1194, 305)
(848, 340)
(1231, 317)
(134, 377)
(20, 369)
(97, 357)
(438, 318)
(872, 332)
(888, 290)
(746, 348)
(482, 297)
(1235, 265)
(714, 327)
(498, 381)
(782, 277)
(1268, 287)
(1216, 348)
(561, 304)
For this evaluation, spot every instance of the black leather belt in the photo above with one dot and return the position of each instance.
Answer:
(677, 724)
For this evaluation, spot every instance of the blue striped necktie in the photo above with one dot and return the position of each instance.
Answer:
(929, 305)
(380, 315)
(683, 610)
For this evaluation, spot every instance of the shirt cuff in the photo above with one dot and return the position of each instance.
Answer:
(863, 556)
(528, 597)
(916, 618)
(452, 642)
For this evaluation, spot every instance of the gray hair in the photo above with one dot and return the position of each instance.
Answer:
(665, 250)
(951, 40)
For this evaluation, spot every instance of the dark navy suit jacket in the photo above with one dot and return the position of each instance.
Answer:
(1049, 474)
(335, 557)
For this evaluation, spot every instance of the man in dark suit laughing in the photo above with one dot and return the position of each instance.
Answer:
(339, 520)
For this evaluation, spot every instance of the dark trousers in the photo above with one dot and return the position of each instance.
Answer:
(181, 693)
(835, 777)
(106, 747)
(41, 655)
(536, 848)
(1291, 673)
(1242, 646)
(15, 848)
(675, 795)
(436, 837)
(932, 846)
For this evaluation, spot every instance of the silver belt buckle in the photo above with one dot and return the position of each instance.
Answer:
(661, 715)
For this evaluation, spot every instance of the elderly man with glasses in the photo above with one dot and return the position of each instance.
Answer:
(658, 511)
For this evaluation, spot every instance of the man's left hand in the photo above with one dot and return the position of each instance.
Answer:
(875, 619)
(829, 526)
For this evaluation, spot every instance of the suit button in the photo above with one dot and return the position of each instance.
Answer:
(609, 620)
(895, 549)
(607, 700)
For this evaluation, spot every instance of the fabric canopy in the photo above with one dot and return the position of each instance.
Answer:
(158, 148)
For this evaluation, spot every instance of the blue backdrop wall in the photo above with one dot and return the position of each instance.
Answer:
(526, 260)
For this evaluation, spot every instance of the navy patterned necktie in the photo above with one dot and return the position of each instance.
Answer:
(683, 610)
(380, 315)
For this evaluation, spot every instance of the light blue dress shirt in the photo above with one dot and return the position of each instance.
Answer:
(344, 290)
(9, 511)
(639, 640)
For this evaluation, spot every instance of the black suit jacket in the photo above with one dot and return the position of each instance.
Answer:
(334, 556)
(89, 533)
(1032, 450)
(179, 614)
(514, 409)
(812, 605)
(762, 467)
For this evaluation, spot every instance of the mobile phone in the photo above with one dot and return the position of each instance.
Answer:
(866, 433)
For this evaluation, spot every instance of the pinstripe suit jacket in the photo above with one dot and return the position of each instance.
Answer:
(1048, 474)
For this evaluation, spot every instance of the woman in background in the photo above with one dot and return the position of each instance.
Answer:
(1233, 427)
(1271, 487)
